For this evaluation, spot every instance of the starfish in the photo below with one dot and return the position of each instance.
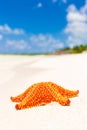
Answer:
(43, 93)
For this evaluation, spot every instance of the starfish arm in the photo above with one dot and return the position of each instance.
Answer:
(37, 98)
(68, 93)
(65, 92)
(63, 100)
(21, 96)
(28, 102)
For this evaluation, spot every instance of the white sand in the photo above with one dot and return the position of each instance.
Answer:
(18, 72)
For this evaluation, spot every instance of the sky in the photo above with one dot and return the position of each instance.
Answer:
(41, 26)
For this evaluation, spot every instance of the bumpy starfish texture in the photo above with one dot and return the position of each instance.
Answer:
(43, 93)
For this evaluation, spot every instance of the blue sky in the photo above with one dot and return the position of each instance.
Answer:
(38, 26)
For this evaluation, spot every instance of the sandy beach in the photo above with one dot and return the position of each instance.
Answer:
(17, 73)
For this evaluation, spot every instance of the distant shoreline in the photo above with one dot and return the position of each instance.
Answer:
(67, 50)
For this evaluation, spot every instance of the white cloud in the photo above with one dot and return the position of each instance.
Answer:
(64, 1)
(54, 1)
(45, 42)
(1, 37)
(76, 28)
(17, 44)
(76, 15)
(40, 43)
(8, 30)
(39, 5)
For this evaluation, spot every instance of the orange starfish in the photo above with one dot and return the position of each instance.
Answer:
(43, 93)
